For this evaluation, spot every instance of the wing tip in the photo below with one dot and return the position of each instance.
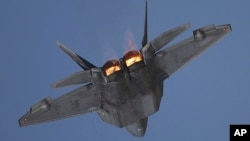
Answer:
(20, 122)
(60, 45)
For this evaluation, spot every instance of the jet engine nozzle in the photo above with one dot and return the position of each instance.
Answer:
(111, 66)
(132, 57)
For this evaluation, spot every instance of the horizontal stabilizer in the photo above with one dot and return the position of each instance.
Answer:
(75, 78)
(163, 39)
(86, 65)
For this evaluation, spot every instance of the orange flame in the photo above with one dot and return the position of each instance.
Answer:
(111, 67)
(130, 44)
(132, 57)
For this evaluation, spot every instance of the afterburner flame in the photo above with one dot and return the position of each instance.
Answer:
(111, 67)
(132, 57)
(130, 43)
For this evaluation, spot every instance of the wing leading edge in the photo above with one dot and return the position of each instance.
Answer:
(76, 102)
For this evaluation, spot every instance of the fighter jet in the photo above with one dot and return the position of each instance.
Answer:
(127, 91)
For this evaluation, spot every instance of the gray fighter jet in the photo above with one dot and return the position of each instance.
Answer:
(127, 91)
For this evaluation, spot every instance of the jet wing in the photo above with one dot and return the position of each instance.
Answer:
(78, 101)
(173, 58)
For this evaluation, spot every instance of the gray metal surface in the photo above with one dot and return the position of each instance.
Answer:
(174, 57)
(70, 104)
(75, 78)
(122, 95)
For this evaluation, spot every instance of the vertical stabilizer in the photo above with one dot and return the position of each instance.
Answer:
(83, 63)
(145, 35)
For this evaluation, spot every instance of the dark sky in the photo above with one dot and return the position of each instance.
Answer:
(200, 101)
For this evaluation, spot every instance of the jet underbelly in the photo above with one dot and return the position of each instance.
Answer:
(140, 99)
(129, 112)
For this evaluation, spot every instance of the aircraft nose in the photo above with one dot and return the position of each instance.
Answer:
(138, 128)
(136, 131)
(140, 132)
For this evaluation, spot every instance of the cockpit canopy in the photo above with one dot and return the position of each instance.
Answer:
(111, 67)
(132, 57)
